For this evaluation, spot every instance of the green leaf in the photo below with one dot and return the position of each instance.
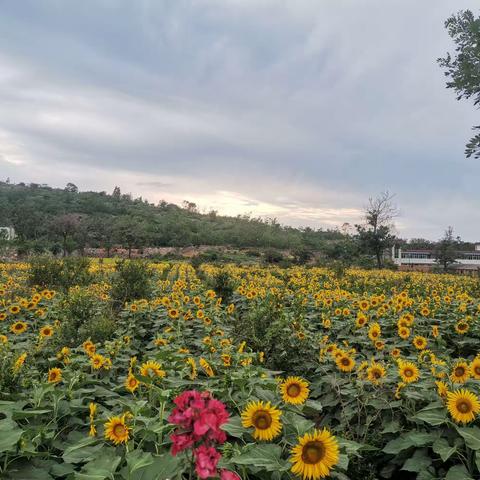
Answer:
(21, 414)
(62, 469)
(314, 405)
(350, 447)
(410, 439)
(163, 467)
(137, 460)
(10, 434)
(471, 435)
(342, 462)
(433, 415)
(234, 427)
(101, 468)
(391, 427)
(458, 472)
(83, 450)
(418, 462)
(267, 456)
(441, 447)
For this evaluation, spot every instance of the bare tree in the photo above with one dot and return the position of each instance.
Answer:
(446, 249)
(376, 234)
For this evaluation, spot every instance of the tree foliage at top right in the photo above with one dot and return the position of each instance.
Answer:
(463, 67)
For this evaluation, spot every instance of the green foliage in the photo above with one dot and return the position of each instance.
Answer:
(48, 272)
(267, 328)
(83, 317)
(462, 69)
(70, 219)
(273, 256)
(223, 285)
(132, 281)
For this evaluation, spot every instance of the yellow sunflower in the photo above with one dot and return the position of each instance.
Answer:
(193, 368)
(442, 388)
(264, 418)
(18, 327)
(345, 363)
(315, 455)
(374, 332)
(375, 373)
(46, 331)
(408, 371)
(117, 430)
(463, 405)
(14, 309)
(294, 390)
(460, 372)
(54, 375)
(420, 342)
(152, 368)
(462, 327)
(475, 368)
(395, 352)
(206, 367)
(404, 332)
(97, 361)
(131, 383)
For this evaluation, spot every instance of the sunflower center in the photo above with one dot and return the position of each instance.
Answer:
(119, 430)
(408, 372)
(345, 361)
(376, 374)
(477, 369)
(464, 406)
(262, 420)
(459, 372)
(293, 390)
(313, 452)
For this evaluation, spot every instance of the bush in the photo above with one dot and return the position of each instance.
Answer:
(47, 272)
(302, 255)
(273, 256)
(131, 281)
(223, 285)
(83, 317)
(44, 271)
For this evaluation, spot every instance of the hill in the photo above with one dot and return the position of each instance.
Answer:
(47, 218)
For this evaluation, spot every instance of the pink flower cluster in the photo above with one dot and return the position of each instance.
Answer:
(199, 418)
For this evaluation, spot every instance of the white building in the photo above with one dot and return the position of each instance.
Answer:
(9, 232)
(465, 262)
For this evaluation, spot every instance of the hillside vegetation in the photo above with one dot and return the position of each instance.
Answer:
(53, 218)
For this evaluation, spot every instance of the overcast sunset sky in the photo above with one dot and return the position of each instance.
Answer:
(294, 109)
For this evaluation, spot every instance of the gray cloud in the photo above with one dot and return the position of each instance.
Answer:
(297, 109)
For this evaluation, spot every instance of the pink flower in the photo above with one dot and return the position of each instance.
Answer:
(181, 442)
(206, 459)
(228, 475)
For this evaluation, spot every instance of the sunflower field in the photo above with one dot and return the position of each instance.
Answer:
(156, 371)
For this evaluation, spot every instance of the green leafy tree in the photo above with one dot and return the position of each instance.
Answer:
(463, 67)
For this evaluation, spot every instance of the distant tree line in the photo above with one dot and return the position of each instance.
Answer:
(64, 220)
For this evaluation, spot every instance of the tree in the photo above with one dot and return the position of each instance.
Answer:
(71, 187)
(446, 249)
(131, 232)
(116, 193)
(375, 235)
(66, 226)
(463, 68)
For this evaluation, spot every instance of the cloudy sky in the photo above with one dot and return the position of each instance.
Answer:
(294, 109)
